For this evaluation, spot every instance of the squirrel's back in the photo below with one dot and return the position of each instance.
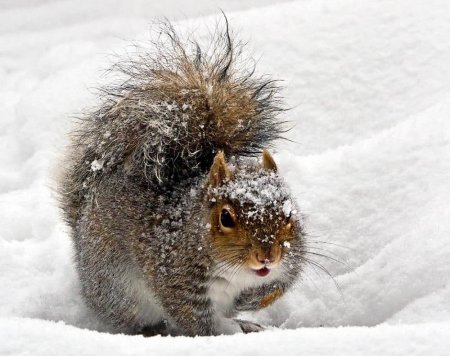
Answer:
(176, 108)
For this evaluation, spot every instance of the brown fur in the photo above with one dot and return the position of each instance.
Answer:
(271, 298)
(146, 180)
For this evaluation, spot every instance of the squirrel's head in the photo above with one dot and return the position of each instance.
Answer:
(253, 221)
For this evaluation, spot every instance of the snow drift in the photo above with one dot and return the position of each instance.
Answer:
(368, 83)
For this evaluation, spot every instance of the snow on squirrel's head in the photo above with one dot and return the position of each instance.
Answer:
(252, 216)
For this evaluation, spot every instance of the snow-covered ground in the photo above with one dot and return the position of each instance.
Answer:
(369, 83)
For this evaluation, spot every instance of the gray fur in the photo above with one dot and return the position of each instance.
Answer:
(136, 195)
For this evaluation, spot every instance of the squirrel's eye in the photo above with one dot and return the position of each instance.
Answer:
(226, 219)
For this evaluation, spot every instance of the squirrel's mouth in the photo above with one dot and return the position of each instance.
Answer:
(262, 272)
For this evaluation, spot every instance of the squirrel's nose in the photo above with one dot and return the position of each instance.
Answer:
(265, 258)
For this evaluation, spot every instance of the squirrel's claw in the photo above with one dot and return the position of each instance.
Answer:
(249, 327)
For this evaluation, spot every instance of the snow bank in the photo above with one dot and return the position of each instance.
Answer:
(370, 166)
(43, 338)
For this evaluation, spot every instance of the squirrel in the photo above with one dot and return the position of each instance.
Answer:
(177, 213)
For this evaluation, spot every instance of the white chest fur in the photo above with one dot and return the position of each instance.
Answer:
(222, 294)
(226, 287)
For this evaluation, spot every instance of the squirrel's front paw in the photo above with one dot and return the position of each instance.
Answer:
(225, 326)
(248, 326)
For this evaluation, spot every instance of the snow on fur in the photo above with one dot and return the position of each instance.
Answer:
(368, 84)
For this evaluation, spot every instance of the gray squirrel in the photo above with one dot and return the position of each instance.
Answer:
(176, 224)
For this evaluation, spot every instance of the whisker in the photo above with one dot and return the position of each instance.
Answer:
(223, 267)
(233, 274)
(321, 249)
(329, 243)
(310, 280)
(230, 256)
(321, 267)
(328, 257)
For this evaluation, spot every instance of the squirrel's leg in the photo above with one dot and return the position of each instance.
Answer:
(111, 283)
(193, 316)
(228, 326)
(260, 297)
(190, 308)
(255, 299)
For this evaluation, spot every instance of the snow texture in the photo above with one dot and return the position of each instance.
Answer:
(368, 83)
(264, 192)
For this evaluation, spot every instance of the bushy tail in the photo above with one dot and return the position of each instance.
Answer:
(177, 106)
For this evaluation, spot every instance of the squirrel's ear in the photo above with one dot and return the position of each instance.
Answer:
(219, 171)
(268, 161)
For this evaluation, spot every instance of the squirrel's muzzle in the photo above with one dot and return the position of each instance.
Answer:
(265, 257)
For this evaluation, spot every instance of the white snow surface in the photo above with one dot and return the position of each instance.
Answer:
(369, 86)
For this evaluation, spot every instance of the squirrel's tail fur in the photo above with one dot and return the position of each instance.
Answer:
(178, 105)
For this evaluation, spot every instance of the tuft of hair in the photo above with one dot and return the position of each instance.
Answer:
(176, 108)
